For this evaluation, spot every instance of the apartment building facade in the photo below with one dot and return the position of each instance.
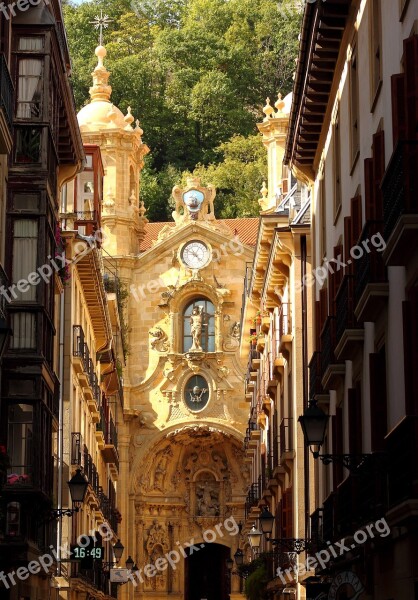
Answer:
(353, 139)
(276, 339)
(42, 146)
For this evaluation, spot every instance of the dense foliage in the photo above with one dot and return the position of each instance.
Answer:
(196, 73)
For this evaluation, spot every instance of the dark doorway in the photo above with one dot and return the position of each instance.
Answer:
(206, 576)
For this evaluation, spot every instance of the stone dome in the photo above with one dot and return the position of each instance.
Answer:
(100, 113)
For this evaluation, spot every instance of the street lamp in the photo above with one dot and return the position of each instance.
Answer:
(314, 423)
(239, 557)
(254, 537)
(118, 549)
(266, 520)
(77, 485)
(129, 563)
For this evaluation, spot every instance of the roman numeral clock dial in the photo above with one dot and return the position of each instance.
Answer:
(195, 254)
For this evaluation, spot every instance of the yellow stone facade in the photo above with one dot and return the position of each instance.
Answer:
(182, 477)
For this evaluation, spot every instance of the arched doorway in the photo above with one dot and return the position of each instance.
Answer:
(205, 573)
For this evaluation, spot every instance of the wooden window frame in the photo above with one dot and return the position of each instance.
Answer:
(375, 52)
(403, 8)
(354, 107)
(336, 137)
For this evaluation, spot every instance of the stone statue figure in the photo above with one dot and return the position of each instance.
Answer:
(207, 500)
(196, 327)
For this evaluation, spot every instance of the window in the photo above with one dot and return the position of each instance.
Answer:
(196, 393)
(20, 443)
(199, 326)
(24, 331)
(29, 95)
(337, 166)
(28, 145)
(31, 43)
(323, 219)
(354, 106)
(375, 50)
(25, 241)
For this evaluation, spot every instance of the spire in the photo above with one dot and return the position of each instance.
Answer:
(100, 90)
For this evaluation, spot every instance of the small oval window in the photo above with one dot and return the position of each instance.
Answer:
(196, 393)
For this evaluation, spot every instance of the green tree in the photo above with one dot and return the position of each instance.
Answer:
(238, 176)
(196, 73)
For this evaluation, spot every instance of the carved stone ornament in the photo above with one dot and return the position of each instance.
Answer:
(160, 341)
(195, 360)
(232, 334)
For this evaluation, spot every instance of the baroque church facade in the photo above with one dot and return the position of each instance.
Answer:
(182, 476)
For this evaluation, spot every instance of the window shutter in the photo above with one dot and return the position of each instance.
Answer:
(378, 399)
(318, 324)
(356, 219)
(287, 520)
(338, 251)
(337, 445)
(410, 336)
(354, 420)
(378, 170)
(398, 107)
(324, 305)
(369, 190)
(411, 81)
(347, 243)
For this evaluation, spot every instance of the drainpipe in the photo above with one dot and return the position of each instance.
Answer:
(304, 380)
(60, 425)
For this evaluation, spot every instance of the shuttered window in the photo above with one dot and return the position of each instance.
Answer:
(25, 240)
(375, 50)
(354, 105)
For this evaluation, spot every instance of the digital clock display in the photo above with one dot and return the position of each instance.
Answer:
(81, 553)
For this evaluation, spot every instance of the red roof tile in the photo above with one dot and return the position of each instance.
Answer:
(245, 228)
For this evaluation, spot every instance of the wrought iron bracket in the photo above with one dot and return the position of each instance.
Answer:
(297, 545)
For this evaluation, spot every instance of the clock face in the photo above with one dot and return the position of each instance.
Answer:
(195, 254)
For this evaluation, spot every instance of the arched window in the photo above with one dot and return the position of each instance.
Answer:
(199, 326)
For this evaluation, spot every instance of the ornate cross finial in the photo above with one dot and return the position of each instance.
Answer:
(101, 23)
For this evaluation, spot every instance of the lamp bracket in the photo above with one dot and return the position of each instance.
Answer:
(297, 545)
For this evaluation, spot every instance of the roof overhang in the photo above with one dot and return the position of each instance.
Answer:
(322, 31)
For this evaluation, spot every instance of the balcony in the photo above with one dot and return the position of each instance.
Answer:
(315, 375)
(84, 367)
(252, 499)
(76, 448)
(6, 105)
(348, 334)
(286, 440)
(330, 369)
(93, 578)
(110, 450)
(90, 470)
(402, 450)
(371, 287)
(285, 330)
(400, 202)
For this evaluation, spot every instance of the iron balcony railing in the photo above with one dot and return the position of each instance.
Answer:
(286, 441)
(315, 375)
(327, 344)
(90, 470)
(344, 307)
(76, 448)
(6, 92)
(369, 268)
(253, 497)
(400, 185)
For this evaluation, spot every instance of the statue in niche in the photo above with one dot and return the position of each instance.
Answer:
(207, 496)
(196, 327)
(158, 582)
(161, 469)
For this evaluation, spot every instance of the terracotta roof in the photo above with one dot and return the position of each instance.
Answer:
(245, 228)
